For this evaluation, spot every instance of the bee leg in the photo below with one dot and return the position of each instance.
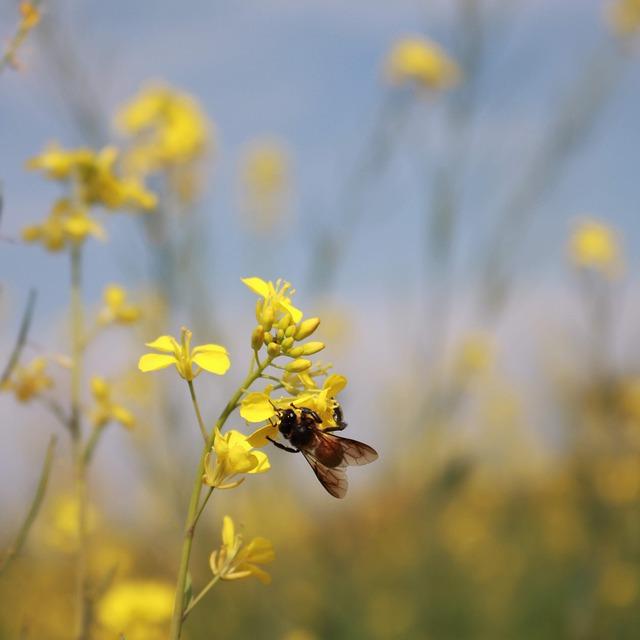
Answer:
(339, 427)
(281, 446)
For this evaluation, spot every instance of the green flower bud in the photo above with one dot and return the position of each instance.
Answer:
(306, 328)
(299, 365)
(312, 347)
(273, 349)
(257, 338)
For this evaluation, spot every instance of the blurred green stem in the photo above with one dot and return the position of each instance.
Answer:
(195, 510)
(21, 538)
(21, 340)
(201, 595)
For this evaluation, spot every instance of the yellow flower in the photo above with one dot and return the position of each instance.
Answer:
(275, 302)
(28, 382)
(208, 357)
(93, 177)
(137, 609)
(105, 409)
(595, 245)
(265, 182)
(116, 308)
(624, 17)
(258, 406)
(423, 62)
(65, 225)
(30, 15)
(236, 454)
(234, 560)
(62, 532)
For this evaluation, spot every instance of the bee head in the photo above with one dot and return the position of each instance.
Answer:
(288, 421)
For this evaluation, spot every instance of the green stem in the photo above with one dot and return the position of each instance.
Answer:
(201, 595)
(196, 408)
(192, 513)
(75, 426)
(91, 444)
(21, 538)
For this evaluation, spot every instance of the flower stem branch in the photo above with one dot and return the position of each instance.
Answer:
(201, 595)
(196, 408)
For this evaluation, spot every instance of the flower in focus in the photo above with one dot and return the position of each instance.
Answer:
(275, 302)
(105, 410)
(421, 61)
(93, 177)
(234, 561)
(258, 406)
(137, 609)
(66, 225)
(624, 17)
(594, 245)
(265, 183)
(29, 381)
(169, 133)
(236, 454)
(208, 357)
(116, 307)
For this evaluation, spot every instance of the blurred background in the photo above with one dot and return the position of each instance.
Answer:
(452, 187)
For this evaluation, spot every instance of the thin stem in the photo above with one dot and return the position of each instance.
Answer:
(21, 538)
(202, 506)
(25, 324)
(75, 426)
(201, 595)
(196, 408)
(192, 513)
(91, 444)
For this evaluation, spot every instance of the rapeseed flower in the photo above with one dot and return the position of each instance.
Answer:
(423, 62)
(208, 357)
(29, 381)
(105, 410)
(594, 245)
(116, 307)
(275, 302)
(235, 560)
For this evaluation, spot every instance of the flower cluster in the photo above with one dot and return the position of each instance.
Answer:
(422, 62)
(29, 381)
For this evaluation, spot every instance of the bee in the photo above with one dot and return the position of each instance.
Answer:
(328, 454)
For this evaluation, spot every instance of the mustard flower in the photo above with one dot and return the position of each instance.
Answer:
(29, 381)
(208, 357)
(235, 454)
(259, 406)
(594, 245)
(116, 307)
(105, 410)
(234, 560)
(275, 301)
(624, 17)
(423, 62)
(137, 609)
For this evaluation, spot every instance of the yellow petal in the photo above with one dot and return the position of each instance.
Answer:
(259, 573)
(334, 384)
(260, 462)
(260, 550)
(154, 361)
(259, 438)
(256, 407)
(295, 313)
(228, 532)
(257, 285)
(212, 358)
(164, 343)
(123, 416)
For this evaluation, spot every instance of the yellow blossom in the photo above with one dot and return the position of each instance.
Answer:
(137, 609)
(275, 302)
(624, 17)
(595, 245)
(29, 381)
(30, 15)
(62, 532)
(116, 308)
(235, 454)
(234, 560)
(423, 62)
(258, 406)
(93, 177)
(208, 357)
(105, 410)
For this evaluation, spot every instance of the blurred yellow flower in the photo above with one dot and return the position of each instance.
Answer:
(105, 410)
(137, 609)
(235, 454)
(234, 560)
(62, 531)
(65, 225)
(595, 245)
(29, 381)
(116, 308)
(30, 15)
(624, 17)
(208, 357)
(475, 355)
(422, 61)
(265, 183)
(93, 177)
(275, 302)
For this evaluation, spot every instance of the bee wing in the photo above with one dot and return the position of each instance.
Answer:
(356, 453)
(334, 479)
